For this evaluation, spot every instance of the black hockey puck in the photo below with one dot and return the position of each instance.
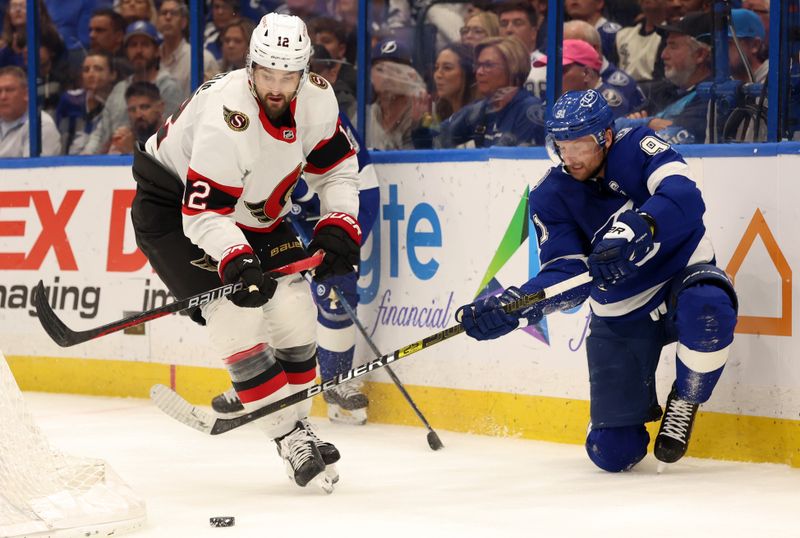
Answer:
(222, 521)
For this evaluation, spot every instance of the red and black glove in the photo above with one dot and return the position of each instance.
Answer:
(339, 236)
(239, 263)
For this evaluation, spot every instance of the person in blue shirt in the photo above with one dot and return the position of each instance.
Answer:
(624, 206)
(507, 115)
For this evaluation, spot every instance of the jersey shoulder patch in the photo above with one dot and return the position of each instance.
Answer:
(612, 96)
(318, 80)
(236, 120)
(610, 27)
(618, 78)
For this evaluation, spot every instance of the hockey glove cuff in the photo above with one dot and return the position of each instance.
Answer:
(239, 263)
(339, 236)
(627, 242)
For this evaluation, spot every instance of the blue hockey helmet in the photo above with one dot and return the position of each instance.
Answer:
(580, 113)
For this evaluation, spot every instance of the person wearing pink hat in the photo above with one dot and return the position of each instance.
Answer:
(581, 71)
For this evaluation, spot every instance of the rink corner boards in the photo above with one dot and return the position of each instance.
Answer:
(717, 435)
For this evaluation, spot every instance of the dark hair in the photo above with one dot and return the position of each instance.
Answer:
(143, 89)
(117, 20)
(518, 5)
(327, 24)
(110, 60)
(246, 25)
(444, 109)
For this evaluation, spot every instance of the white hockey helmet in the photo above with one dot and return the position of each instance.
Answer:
(280, 42)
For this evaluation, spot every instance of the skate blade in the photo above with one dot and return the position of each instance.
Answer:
(662, 466)
(354, 417)
(332, 473)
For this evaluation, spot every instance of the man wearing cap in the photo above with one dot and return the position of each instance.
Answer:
(687, 62)
(141, 48)
(745, 60)
(581, 71)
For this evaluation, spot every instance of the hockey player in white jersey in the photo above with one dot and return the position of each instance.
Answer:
(624, 205)
(213, 186)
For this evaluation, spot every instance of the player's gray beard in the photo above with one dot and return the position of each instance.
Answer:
(679, 78)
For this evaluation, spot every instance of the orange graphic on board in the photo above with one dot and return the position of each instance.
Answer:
(781, 326)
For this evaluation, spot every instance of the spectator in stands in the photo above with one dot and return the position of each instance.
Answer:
(223, 12)
(12, 38)
(137, 10)
(305, 9)
(332, 35)
(506, 114)
(141, 46)
(540, 7)
(401, 98)
(581, 71)
(145, 115)
(235, 39)
(72, 21)
(689, 6)
(674, 10)
(78, 111)
(106, 32)
(745, 60)
(479, 26)
(54, 73)
(328, 68)
(639, 47)
(591, 11)
(175, 52)
(454, 77)
(687, 62)
(14, 138)
(517, 18)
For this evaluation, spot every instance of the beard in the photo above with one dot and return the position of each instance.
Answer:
(272, 109)
(143, 130)
(678, 77)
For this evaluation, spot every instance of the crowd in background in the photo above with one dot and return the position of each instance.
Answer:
(472, 75)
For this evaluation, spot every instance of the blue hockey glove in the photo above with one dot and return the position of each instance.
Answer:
(628, 241)
(486, 319)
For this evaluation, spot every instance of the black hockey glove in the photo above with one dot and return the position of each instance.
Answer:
(240, 263)
(339, 236)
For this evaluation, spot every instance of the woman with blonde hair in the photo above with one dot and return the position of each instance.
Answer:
(479, 26)
(506, 114)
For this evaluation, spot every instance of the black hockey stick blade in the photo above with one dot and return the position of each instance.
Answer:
(178, 408)
(65, 337)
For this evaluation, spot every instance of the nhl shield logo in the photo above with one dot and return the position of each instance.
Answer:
(288, 134)
(237, 121)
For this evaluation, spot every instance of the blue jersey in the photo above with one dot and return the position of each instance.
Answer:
(642, 173)
(307, 202)
(624, 84)
(520, 122)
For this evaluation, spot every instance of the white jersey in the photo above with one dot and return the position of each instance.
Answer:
(239, 169)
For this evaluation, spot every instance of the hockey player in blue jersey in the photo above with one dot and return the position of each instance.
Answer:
(624, 206)
(335, 331)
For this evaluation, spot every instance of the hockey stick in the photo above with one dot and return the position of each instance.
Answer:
(433, 438)
(178, 408)
(65, 337)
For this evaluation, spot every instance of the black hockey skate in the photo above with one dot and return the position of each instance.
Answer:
(347, 404)
(227, 403)
(329, 452)
(304, 463)
(673, 436)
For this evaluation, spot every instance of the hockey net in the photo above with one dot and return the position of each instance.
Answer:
(46, 493)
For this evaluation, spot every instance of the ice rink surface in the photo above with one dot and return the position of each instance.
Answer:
(392, 484)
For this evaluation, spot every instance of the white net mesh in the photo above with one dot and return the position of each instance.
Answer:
(44, 492)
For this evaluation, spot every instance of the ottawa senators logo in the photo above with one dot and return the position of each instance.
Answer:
(317, 81)
(268, 211)
(207, 263)
(238, 121)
